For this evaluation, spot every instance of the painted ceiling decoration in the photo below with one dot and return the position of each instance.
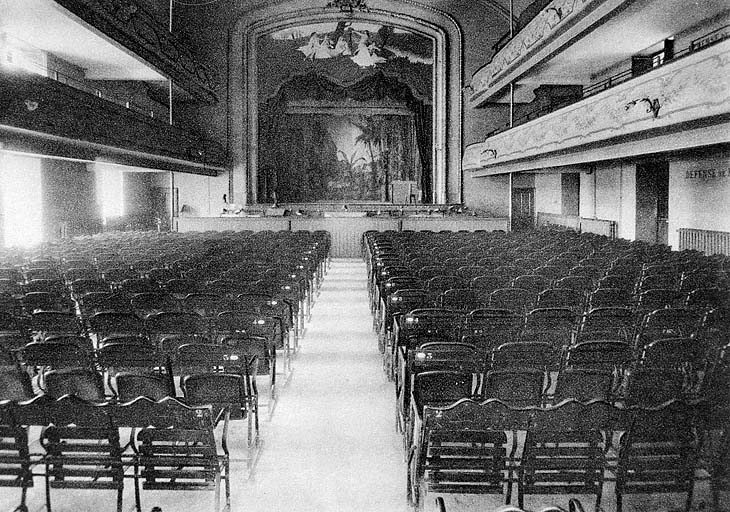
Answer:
(346, 52)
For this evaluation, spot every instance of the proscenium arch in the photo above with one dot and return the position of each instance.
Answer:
(423, 20)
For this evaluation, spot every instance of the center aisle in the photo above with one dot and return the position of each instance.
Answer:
(332, 445)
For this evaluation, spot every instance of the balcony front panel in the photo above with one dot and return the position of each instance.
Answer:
(694, 88)
(33, 107)
(553, 27)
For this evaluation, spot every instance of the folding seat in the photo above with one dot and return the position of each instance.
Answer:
(584, 283)
(658, 453)
(551, 325)
(149, 303)
(10, 305)
(529, 263)
(116, 275)
(82, 382)
(469, 272)
(668, 281)
(49, 274)
(74, 274)
(45, 301)
(493, 326)
(47, 323)
(561, 298)
(181, 287)
(10, 287)
(564, 451)
(439, 284)
(687, 353)
(534, 283)
(15, 384)
(607, 323)
(650, 387)
(550, 272)
(610, 297)
(516, 387)
(714, 330)
(96, 302)
(138, 285)
(82, 286)
(611, 355)
(460, 299)
(524, 354)
(707, 298)
(512, 299)
(620, 281)
(584, 385)
(668, 323)
(159, 326)
(108, 323)
(441, 387)
(656, 298)
(134, 368)
(429, 322)
(161, 274)
(487, 283)
(207, 305)
(511, 271)
(15, 455)
(68, 351)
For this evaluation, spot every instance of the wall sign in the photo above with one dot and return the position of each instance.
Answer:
(706, 174)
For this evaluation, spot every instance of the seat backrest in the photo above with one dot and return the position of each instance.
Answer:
(441, 387)
(83, 383)
(584, 384)
(518, 387)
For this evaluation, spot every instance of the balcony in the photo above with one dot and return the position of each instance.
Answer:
(639, 115)
(40, 114)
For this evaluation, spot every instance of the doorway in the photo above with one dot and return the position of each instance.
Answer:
(652, 202)
(523, 208)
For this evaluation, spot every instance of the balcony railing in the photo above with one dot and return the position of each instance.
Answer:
(696, 45)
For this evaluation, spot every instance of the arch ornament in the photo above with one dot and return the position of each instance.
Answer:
(424, 20)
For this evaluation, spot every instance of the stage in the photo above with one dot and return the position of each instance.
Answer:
(346, 227)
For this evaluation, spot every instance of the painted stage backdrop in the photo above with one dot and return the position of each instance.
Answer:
(346, 110)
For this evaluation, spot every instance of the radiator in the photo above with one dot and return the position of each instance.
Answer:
(556, 219)
(709, 242)
(599, 227)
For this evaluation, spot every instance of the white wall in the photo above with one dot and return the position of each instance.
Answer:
(609, 192)
(697, 198)
(490, 193)
(548, 193)
(202, 194)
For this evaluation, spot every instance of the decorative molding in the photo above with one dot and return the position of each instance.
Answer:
(128, 23)
(693, 88)
(82, 120)
(653, 105)
(557, 17)
(348, 6)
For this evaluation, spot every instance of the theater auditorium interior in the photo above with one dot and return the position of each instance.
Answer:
(365, 255)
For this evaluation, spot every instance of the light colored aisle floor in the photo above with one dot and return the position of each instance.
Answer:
(332, 445)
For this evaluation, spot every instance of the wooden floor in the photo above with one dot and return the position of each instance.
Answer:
(331, 445)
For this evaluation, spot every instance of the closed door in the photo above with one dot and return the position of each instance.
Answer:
(523, 208)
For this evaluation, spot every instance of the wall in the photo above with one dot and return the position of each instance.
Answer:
(609, 193)
(548, 193)
(697, 199)
(69, 197)
(145, 198)
(490, 194)
(202, 195)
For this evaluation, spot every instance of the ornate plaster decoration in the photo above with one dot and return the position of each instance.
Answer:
(132, 26)
(349, 6)
(543, 28)
(692, 88)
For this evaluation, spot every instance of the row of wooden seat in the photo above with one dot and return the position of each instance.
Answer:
(569, 448)
(175, 447)
(610, 324)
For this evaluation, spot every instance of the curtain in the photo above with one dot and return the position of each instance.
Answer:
(298, 158)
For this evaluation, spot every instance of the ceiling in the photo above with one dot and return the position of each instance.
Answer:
(45, 25)
(641, 27)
